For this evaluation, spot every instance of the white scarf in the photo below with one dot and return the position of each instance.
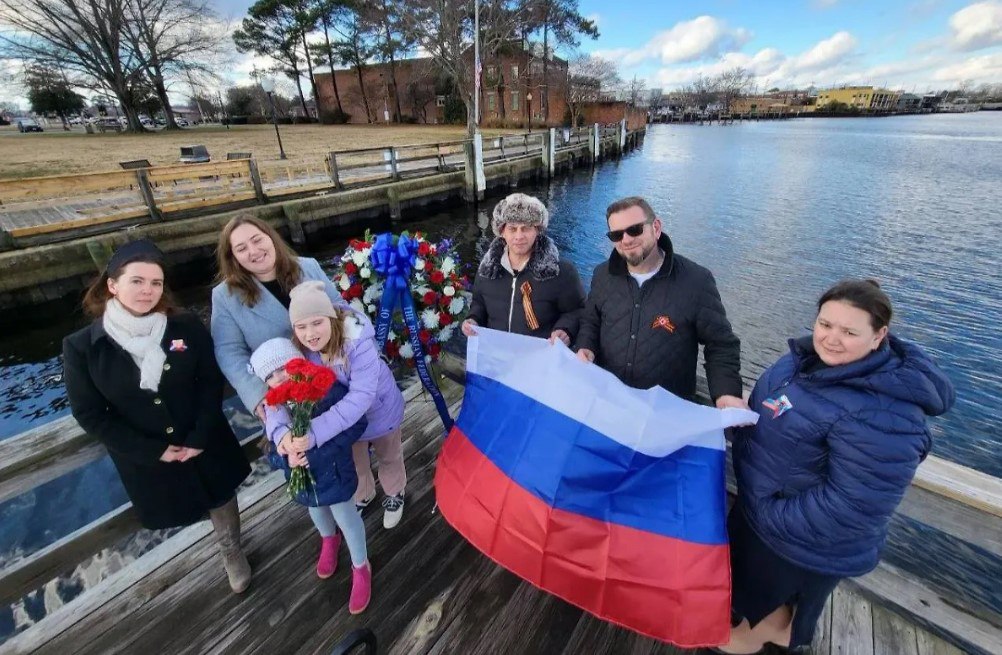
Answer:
(140, 336)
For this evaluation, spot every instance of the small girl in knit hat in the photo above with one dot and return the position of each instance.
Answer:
(337, 338)
(330, 501)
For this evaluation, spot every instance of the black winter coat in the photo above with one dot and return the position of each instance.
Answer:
(650, 335)
(136, 425)
(554, 288)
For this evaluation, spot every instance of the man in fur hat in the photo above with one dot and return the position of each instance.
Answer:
(522, 285)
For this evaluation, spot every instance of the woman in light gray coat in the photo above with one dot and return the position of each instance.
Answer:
(250, 305)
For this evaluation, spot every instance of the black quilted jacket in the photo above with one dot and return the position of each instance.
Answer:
(650, 335)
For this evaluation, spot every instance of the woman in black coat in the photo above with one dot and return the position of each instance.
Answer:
(143, 379)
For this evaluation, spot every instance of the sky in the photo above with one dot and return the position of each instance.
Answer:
(913, 45)
(910, 44)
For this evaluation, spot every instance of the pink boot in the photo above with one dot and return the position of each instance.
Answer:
(327, 563)
(361, 588)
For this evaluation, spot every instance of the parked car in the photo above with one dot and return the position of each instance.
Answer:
(28, 125)
(182, 122)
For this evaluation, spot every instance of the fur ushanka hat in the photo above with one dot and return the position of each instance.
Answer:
(522, 209)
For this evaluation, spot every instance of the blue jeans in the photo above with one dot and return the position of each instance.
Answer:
(345, 516)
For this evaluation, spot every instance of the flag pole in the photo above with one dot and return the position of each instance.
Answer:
(476, 65)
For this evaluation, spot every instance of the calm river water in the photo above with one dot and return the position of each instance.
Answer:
(778, 211)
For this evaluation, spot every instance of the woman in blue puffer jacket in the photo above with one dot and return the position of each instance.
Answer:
(842, 430)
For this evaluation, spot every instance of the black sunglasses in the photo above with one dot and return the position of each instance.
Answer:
(634, 230)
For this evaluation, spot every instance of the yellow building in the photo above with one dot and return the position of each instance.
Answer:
(864, 98)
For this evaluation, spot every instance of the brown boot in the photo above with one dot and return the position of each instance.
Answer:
(226, 524)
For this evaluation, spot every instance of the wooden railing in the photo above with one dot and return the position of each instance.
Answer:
(348, 168)
(954, 499)
(48, 208)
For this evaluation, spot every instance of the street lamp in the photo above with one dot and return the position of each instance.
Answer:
(528, 108)
(268, 86)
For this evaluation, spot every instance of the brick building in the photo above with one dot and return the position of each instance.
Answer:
(507, 82)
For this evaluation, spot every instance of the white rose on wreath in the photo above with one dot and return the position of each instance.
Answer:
(406, 351)
(365, 273)
(419, 265)
(448, 265)
(449, 291)
(344, 283)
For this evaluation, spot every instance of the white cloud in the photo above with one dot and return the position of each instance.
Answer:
(692, 40)
(827, 52)
(826, 59)
(824, 4)
(986, 68)
(977, 26)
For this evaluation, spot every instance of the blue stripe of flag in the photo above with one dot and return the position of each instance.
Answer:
(573, 467)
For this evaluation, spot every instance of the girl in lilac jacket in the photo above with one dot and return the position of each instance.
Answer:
(339, 339)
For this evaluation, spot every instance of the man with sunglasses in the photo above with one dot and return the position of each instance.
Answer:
(649, 309)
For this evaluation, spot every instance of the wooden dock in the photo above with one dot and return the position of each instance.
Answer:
(433, 592)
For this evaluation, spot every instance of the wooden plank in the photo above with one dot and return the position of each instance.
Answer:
(395, 555)
(22, 232)
(954, 518)
(892, 635)
(65, 185)
(206, 201)
(932, 645)
(43, 454)
(45, 565)
(902, 594)
(274, 192)
(598, 637)
(133, 583)
(822, 643)
(963, 484)
(163, 174)
(852, 624)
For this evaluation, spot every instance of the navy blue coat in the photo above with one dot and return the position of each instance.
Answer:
(819, 482)
(331, 464)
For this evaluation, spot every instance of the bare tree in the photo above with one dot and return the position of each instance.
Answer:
(562, 20)
(170, 37)
(635, 92)
(588, 78)
(84, 38)
(732, 84)
(444, 29)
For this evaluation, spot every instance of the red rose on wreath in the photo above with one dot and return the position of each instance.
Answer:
(444, 301)
(424, 249)
(430, 298)
(434, 350)
(444, 319)
(437, 277)
(424, 336)
(350, 268)
(355, 290)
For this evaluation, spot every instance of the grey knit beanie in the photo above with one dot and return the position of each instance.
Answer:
(522, 209)
(310, 299)
(272, 355)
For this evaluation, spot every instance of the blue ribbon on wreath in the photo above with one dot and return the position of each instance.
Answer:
(393, 259)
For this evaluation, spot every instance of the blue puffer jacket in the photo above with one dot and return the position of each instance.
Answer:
(331, 463)
(819, 481)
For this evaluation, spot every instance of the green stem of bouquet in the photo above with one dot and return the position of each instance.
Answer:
(301, 478)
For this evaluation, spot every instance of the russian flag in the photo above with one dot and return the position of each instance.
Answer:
(609, 497)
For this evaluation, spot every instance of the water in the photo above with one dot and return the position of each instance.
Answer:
(778, 211)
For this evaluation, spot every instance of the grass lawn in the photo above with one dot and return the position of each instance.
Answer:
(55, 152)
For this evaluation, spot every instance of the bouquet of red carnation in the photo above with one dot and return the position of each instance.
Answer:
(307, 385)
